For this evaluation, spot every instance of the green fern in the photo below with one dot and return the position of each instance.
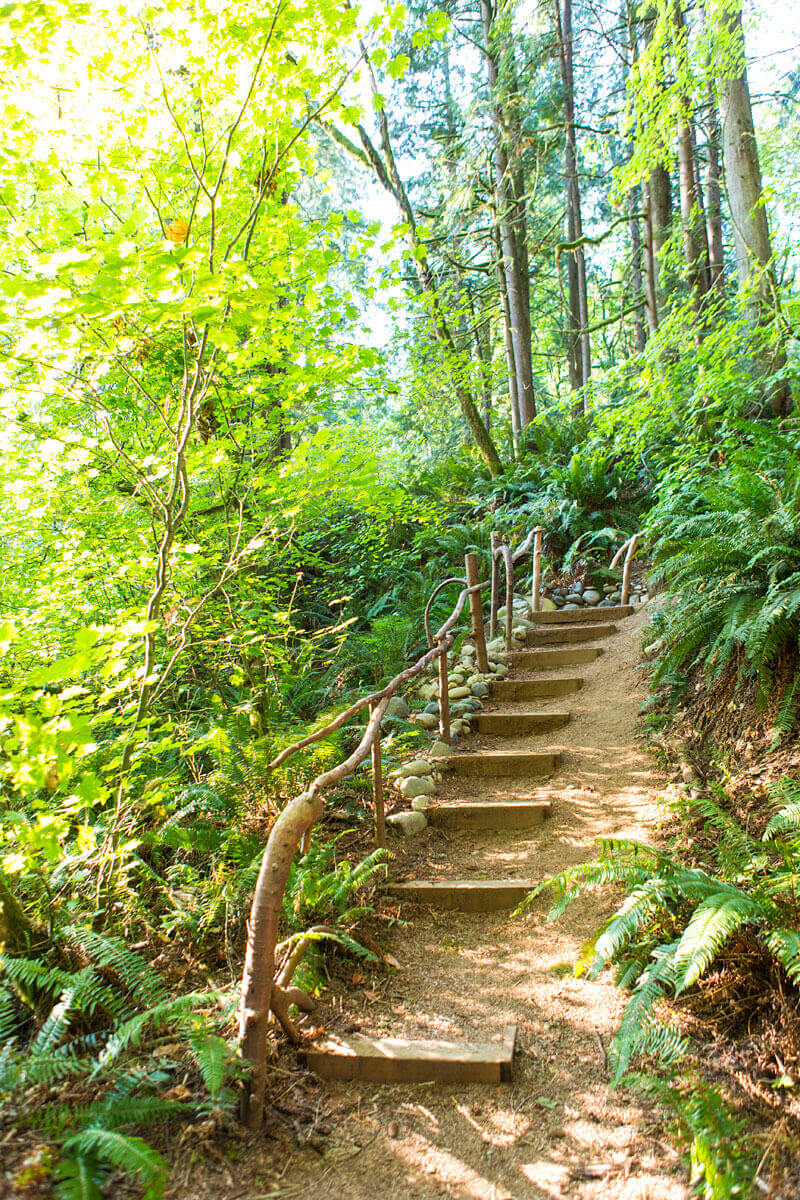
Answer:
(749, 890)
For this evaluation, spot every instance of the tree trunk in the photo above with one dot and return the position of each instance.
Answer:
(639, 329)
(650, 263)
(580, 362)
(745, 194)
(513, 399)
(695, 246)
(511, 238)
(716, 249)
(385, 169)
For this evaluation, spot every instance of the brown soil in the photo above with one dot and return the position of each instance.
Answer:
(557, 1130)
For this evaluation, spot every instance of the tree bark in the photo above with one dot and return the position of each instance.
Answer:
(745, 193)
(511, 237)
(580, 361)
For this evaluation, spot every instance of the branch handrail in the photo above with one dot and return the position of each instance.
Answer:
(445, 583)
(262, 992)
(383, 693)
(501, 551)
(630, 547)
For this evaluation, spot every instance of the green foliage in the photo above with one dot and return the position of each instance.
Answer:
(727, 543)
(100, 1024)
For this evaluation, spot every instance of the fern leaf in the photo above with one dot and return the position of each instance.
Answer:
(214, 1058)
(712, 923)
(79, 1178)
(129, 1154)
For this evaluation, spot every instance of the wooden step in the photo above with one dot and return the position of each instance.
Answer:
(503, 762)
(574, 616)
(401, 1060)
(535, 689)
(463, 895)
(511, 814)
(548, 660)
(513, 724)
(569, 633)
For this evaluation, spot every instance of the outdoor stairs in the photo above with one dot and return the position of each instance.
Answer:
(399, 1060)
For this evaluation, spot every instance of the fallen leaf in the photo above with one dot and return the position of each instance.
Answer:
(391, 961)
(358, 978)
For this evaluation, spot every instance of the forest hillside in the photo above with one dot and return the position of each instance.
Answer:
(348, 356)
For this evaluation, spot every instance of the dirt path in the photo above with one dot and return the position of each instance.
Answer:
(557, 1130)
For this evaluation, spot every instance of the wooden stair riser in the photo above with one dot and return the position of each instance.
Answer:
(568, 634)
(575, 616)
(550, 660)
(518, 724)
(503, 762)
(400, 1060)
(521, 814)
(509, 690)
(463, 895)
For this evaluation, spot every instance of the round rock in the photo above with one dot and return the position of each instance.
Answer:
(416, 785)
(590, 596)
(480, 689)
(407, 823)
(397, 707)
(420, 766)
(426, 720)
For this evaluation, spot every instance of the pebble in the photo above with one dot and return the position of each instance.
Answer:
(432, 707)
(590, 596)
(547, 605)
(439, 749)
(397, 707)
(458, 693)
(572, 605)
(480, 689)
(575, 598)
(501, 669)
(578, 588)
(420, 803)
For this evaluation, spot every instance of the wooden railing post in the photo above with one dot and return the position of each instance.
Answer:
(536, 585)
(626, 570)
(508, 559)
(444, 697)
(377, 788)
(495, 588)
(476, 611)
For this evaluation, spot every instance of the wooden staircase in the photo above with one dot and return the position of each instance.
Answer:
(394, 1060)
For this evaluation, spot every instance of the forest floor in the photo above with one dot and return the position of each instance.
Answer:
(557, 1130)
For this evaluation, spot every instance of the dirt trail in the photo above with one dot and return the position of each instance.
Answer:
(557, 1130)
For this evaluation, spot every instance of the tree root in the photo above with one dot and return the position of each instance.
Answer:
(280, 1001)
